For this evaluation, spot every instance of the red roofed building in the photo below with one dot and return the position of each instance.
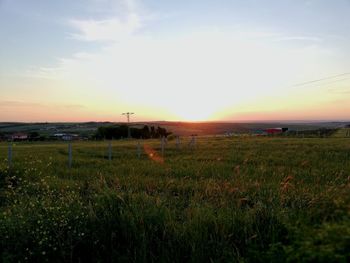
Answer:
(273, 131)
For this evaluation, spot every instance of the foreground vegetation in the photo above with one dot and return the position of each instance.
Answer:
(229, 200)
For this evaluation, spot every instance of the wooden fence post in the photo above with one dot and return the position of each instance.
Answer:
(177, 142)
(192, 143)
(138, 149)
(110, 151)
(9, 155)
(162, 144)
(70, 155)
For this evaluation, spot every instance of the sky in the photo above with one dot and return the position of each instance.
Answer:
(184, 60)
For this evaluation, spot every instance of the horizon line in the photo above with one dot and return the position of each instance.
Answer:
(179, 121)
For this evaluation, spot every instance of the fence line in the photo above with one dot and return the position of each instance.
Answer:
(139, 147)
(192, 143)
(9, 155)
(70, 155)
(110, 151)
(177, 142)
(162, 145)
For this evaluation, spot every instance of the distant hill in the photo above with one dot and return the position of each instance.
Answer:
(212, 128)
(179, 128)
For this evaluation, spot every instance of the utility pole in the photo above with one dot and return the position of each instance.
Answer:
(127, 114)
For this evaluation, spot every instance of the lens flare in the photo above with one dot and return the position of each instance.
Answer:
(152, 154)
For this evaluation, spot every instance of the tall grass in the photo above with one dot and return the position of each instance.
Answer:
(230, 200)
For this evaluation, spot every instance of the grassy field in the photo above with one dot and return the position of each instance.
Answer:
(342, 133)
(228, 200)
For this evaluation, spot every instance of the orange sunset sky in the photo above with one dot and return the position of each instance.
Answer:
(174, 60)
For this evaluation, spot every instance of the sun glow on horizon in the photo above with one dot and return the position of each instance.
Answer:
(127, 57)
(194, 116)
(193, 76)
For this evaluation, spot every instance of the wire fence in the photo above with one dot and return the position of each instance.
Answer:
(109, 150)
(91, 154)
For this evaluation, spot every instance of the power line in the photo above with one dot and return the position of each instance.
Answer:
(322, 79)
(128, 115)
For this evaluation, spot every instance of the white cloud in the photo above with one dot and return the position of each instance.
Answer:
(113, 29)
(299, 38)
(122, 19)
(50, 73)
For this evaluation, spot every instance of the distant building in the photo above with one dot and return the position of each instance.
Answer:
(259, 132)
(19, 136)
(66, 136)
(274, 131)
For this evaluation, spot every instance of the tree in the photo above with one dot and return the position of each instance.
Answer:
(118, 132)
(145, 132)
(153, 132)
(34, 136)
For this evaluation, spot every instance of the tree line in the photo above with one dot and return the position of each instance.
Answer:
(121, 131)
